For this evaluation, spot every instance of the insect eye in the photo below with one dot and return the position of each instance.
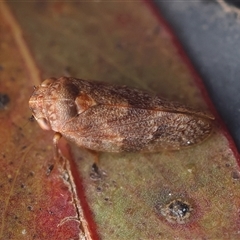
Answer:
(47, 82)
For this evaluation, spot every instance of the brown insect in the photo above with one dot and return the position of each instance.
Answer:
(103, 117)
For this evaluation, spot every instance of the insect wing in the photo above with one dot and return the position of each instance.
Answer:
(121, 128)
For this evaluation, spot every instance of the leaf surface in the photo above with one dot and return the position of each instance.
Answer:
(186, 194)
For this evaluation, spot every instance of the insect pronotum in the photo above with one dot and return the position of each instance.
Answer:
(109, 118)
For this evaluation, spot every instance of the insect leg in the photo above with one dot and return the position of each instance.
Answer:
(56, 139)
(95, 172)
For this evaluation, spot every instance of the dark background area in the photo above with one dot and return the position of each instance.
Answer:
(210, 34)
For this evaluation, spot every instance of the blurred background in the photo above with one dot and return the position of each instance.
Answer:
(210, 34)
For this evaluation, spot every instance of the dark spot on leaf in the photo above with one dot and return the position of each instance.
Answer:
(4, 100)
(49, 169)
(95, 173)
(23, 147)
(228, 164)
(177, 211)
(95, 168)
(31, 174)
(236, 175)
(30, 208)
(119, 45)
